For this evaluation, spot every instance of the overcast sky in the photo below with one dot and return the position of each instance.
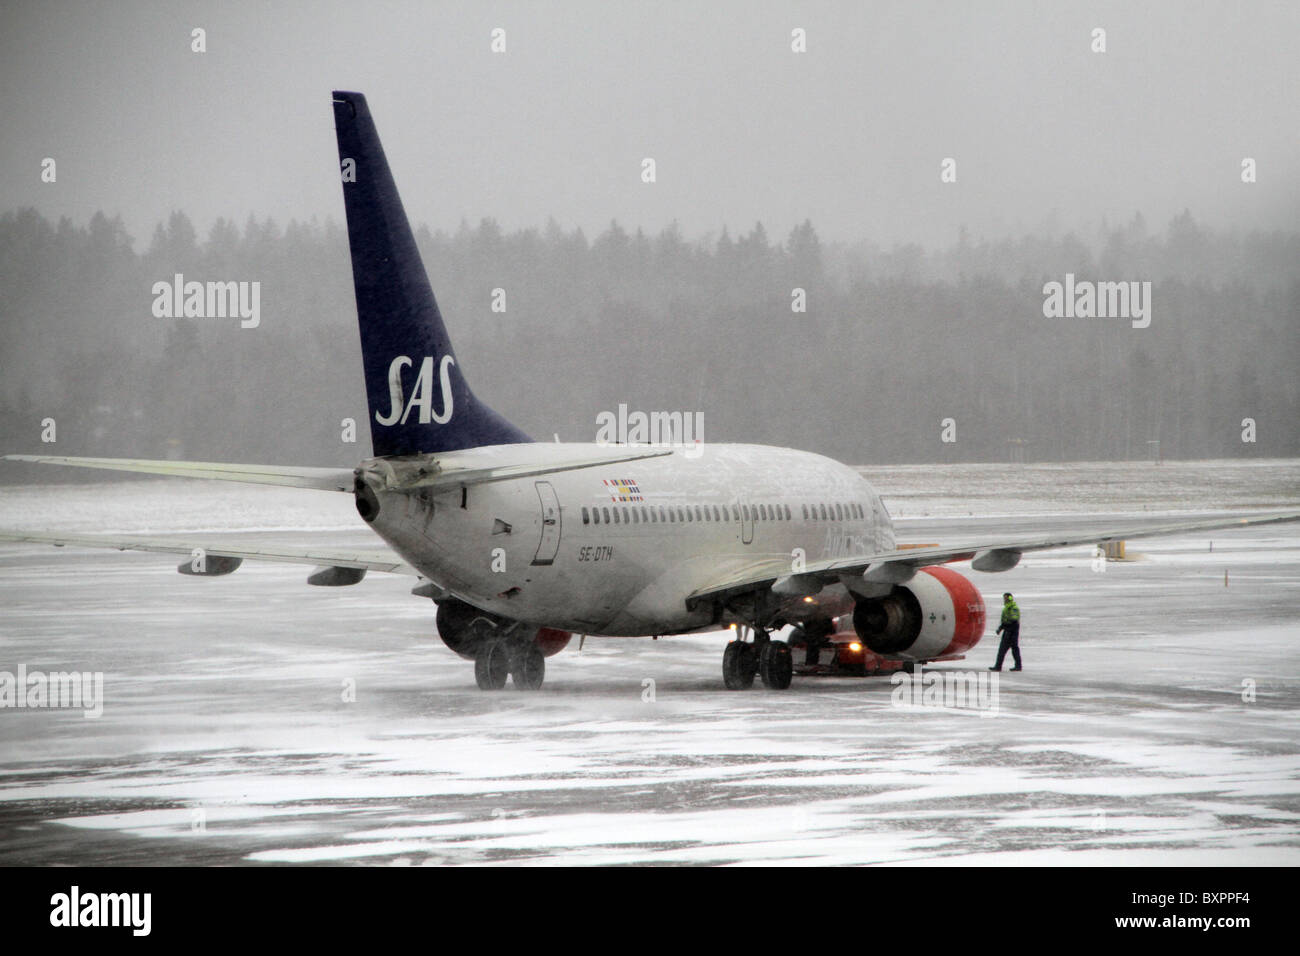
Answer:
(850, 134)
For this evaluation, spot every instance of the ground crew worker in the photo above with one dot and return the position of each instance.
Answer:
(1010, 631)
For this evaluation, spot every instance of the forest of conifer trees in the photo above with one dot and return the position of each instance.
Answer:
(893, 340)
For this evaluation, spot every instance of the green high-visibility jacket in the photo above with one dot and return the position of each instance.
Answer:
(1010, 612)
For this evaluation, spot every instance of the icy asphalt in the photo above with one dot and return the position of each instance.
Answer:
(1156, 720)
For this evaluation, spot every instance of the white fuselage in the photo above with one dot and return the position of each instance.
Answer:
(617, 549)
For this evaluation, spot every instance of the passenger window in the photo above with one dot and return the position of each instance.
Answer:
(822, 508)
(607, 518)
(586, 516)
(788, 516)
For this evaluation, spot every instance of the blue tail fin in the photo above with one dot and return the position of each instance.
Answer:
(419, 399)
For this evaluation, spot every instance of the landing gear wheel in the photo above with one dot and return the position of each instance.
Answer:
(739, 664)
(528, 667)
(492, 665)
(776, 665)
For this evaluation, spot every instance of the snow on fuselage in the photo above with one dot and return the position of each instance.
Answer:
(622, 546)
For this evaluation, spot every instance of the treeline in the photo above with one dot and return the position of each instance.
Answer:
(893, 342)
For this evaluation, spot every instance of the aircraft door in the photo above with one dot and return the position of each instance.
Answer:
(746, 520)
(550, 543)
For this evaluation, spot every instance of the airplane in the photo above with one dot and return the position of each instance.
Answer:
(522, 544)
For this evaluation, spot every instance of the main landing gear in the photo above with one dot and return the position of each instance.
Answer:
(498, 659)
(770, 660)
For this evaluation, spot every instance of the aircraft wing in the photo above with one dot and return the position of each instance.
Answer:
(359, 560)
(325, 479)
(898, 566)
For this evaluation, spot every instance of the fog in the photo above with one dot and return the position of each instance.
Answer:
(844, 249)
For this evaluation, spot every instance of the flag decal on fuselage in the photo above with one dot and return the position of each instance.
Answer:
(623, 489)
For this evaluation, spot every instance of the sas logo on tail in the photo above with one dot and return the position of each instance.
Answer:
(421, 396)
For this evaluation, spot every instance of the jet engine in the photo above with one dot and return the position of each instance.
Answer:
(938, 613)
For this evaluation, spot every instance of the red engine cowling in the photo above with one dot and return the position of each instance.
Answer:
(552, 641)
(939, 613)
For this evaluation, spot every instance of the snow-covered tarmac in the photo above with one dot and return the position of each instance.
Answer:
(1131, 737)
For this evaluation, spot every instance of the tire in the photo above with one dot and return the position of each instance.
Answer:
(528, 667)
(738, 666)
(776, 665)
(492, 665)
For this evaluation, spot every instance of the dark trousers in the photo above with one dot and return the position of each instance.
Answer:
(1010, 642)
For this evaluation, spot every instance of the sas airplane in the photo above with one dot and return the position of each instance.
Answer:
(522, 543)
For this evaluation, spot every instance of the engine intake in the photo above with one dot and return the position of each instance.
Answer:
(939, 613)
(891, 624)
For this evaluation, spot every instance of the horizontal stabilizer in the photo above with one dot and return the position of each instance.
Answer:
(443, 473)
